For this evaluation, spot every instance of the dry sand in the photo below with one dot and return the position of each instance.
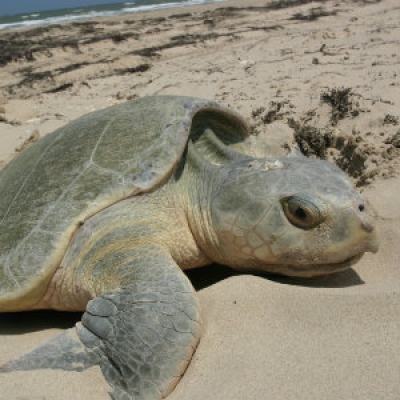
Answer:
(323, 74)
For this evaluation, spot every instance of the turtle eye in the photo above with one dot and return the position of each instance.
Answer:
(303, 211)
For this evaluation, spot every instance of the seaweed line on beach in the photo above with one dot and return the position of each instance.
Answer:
(30, 77)
(124, 41)
(24, 44)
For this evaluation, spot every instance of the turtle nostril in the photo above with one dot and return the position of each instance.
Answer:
(361, 208)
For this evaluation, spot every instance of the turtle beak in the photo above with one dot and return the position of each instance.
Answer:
(373, 242)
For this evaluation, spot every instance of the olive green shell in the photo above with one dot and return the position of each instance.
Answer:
(78, 170)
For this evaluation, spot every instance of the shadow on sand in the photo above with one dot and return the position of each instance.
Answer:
(18, 323)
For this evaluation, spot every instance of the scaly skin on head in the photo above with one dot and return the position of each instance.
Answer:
(292, 216)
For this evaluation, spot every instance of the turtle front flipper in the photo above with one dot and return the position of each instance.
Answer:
(142, 335)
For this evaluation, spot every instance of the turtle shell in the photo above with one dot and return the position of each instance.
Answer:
(78, 170)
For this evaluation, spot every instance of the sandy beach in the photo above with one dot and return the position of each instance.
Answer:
(323, 75)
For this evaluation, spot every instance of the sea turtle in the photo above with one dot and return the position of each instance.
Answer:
(103, 215)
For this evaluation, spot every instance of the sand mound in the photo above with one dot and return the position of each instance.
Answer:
(326, 132)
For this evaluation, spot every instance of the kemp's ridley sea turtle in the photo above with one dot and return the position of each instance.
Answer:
(103, 214)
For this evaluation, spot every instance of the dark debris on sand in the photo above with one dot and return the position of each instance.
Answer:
(365, 156)
(342, 102)
(28, 45)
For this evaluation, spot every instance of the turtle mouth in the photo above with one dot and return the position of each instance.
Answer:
(308, 270)
(312, 270)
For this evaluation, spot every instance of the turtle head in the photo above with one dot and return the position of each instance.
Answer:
(292, 216)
